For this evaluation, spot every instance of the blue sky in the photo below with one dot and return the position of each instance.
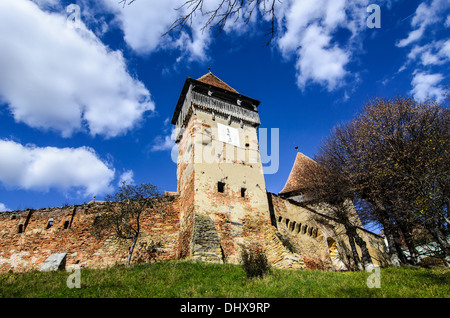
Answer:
(86, 99)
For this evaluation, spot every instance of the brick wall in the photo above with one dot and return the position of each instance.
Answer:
(71, 233)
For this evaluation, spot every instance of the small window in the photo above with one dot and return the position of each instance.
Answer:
(221, 187)
(20, 229)
(49, 223)
(243, 192)
(292, 226)
(305, 227)
(66, 225)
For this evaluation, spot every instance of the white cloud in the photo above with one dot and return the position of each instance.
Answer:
(433, 53)
(297, 16)
(3, 207)
(66, 169)
(145, 22)
(143, 25)
(425, 86)
(62, 78)
(307, 31)
(162, 143)
(166, 142)
(412, 37)
(47, 3)
(424, 16)
(127, 177)
(319, 61)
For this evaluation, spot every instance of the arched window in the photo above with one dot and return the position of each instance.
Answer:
(332, 248)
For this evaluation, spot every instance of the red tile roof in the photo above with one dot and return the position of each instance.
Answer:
(211, 79)
(295, 180)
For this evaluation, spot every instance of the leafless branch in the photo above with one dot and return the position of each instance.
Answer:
(222, 14)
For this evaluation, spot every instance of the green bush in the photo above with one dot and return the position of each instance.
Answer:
(254, 263)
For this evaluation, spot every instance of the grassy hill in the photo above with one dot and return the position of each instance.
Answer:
(194, 280)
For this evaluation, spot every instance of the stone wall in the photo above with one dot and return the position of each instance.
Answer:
(205, 245)
(296, 237)
(185, 188)
(28, 238)
(321, 242)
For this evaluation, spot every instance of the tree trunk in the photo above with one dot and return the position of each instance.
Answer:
(130, 252)
(350, 234)
(365, 257)
(395, 253)
(433, 228)
(414, 255)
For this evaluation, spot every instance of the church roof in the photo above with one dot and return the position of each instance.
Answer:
(295, 181)
(211, 79)
(222, 91)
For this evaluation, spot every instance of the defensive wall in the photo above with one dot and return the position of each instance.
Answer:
(297, 238)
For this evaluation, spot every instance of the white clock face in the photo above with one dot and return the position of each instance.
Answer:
(228, 134)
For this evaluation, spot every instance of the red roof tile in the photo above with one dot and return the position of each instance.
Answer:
(295, 180)
(211, 79)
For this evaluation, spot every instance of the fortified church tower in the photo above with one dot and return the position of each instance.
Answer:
(220, 208)
(220, 176)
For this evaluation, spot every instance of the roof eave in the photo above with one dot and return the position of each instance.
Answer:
(195, 82)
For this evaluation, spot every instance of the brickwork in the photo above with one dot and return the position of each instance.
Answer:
(70, 232)
(296, 240)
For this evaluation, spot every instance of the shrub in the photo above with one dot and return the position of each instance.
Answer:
(254, 263)
(430, 261)
(312, 264)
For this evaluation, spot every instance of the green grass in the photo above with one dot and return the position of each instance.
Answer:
(193, 280)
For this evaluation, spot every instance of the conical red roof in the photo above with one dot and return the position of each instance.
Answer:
(295, 181)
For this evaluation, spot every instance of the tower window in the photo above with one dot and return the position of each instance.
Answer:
(66, 225)
(243, 192)
(221, 187)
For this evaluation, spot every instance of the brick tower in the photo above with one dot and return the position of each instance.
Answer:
(220, 176)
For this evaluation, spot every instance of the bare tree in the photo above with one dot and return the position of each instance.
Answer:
(394, 156)
(124, 210)
(334, 192)
(227, 11)
(408, 163)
